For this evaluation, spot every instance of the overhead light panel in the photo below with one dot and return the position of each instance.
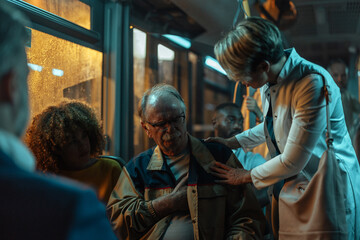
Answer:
(183, 42)
(214, 64)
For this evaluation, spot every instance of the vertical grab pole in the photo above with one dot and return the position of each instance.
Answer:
(246, 8)
(246, 113)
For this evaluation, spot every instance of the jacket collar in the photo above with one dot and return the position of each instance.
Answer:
(156, 162)
(197, 149)
(292, 60)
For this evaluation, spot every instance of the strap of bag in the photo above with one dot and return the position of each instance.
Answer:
(323, 198)
(329, 138)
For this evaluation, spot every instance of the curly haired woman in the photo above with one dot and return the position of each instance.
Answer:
(66, 139)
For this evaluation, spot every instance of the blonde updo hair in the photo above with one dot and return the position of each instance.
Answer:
(253, 40)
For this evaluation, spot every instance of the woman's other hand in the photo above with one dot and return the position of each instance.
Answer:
(252, 106)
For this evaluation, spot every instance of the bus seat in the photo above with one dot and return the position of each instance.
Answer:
(116, 158)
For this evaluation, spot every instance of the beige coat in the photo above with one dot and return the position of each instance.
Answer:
(299, 122)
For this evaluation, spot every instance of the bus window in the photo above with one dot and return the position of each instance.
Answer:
(166, 58)
(72, 10)
(216, 91)
(139, 54)
(61, 69)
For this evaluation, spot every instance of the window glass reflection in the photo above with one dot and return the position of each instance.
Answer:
(61, 69)
(72, 10)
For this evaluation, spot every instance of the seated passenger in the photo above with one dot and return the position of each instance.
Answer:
(351, 106)
(66, 139)
(167, 192)
(227, 122)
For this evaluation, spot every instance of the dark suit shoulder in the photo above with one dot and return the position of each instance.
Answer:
(39, 185)
(47, 207)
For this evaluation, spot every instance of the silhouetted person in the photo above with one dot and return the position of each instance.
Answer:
(227, 122)
(33, 206)
(351, 106)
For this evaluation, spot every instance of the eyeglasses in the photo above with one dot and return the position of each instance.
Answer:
(162, 125)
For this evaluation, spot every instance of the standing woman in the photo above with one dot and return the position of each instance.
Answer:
(66, 139)
(295, 117)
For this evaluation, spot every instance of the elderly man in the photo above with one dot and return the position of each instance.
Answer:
(167, 192)
(33, 206)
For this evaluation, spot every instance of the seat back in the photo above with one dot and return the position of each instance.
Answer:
(116, 158)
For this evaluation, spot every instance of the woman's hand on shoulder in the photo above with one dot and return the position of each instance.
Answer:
(229, 175)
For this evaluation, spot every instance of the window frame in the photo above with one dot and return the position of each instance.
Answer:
(52, 24)
(109, 34)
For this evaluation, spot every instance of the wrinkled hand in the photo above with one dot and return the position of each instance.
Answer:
(251, 103)
(175, 201)
(229, 175)
(229, 142)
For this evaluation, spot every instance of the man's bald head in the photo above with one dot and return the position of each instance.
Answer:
(157, 94)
